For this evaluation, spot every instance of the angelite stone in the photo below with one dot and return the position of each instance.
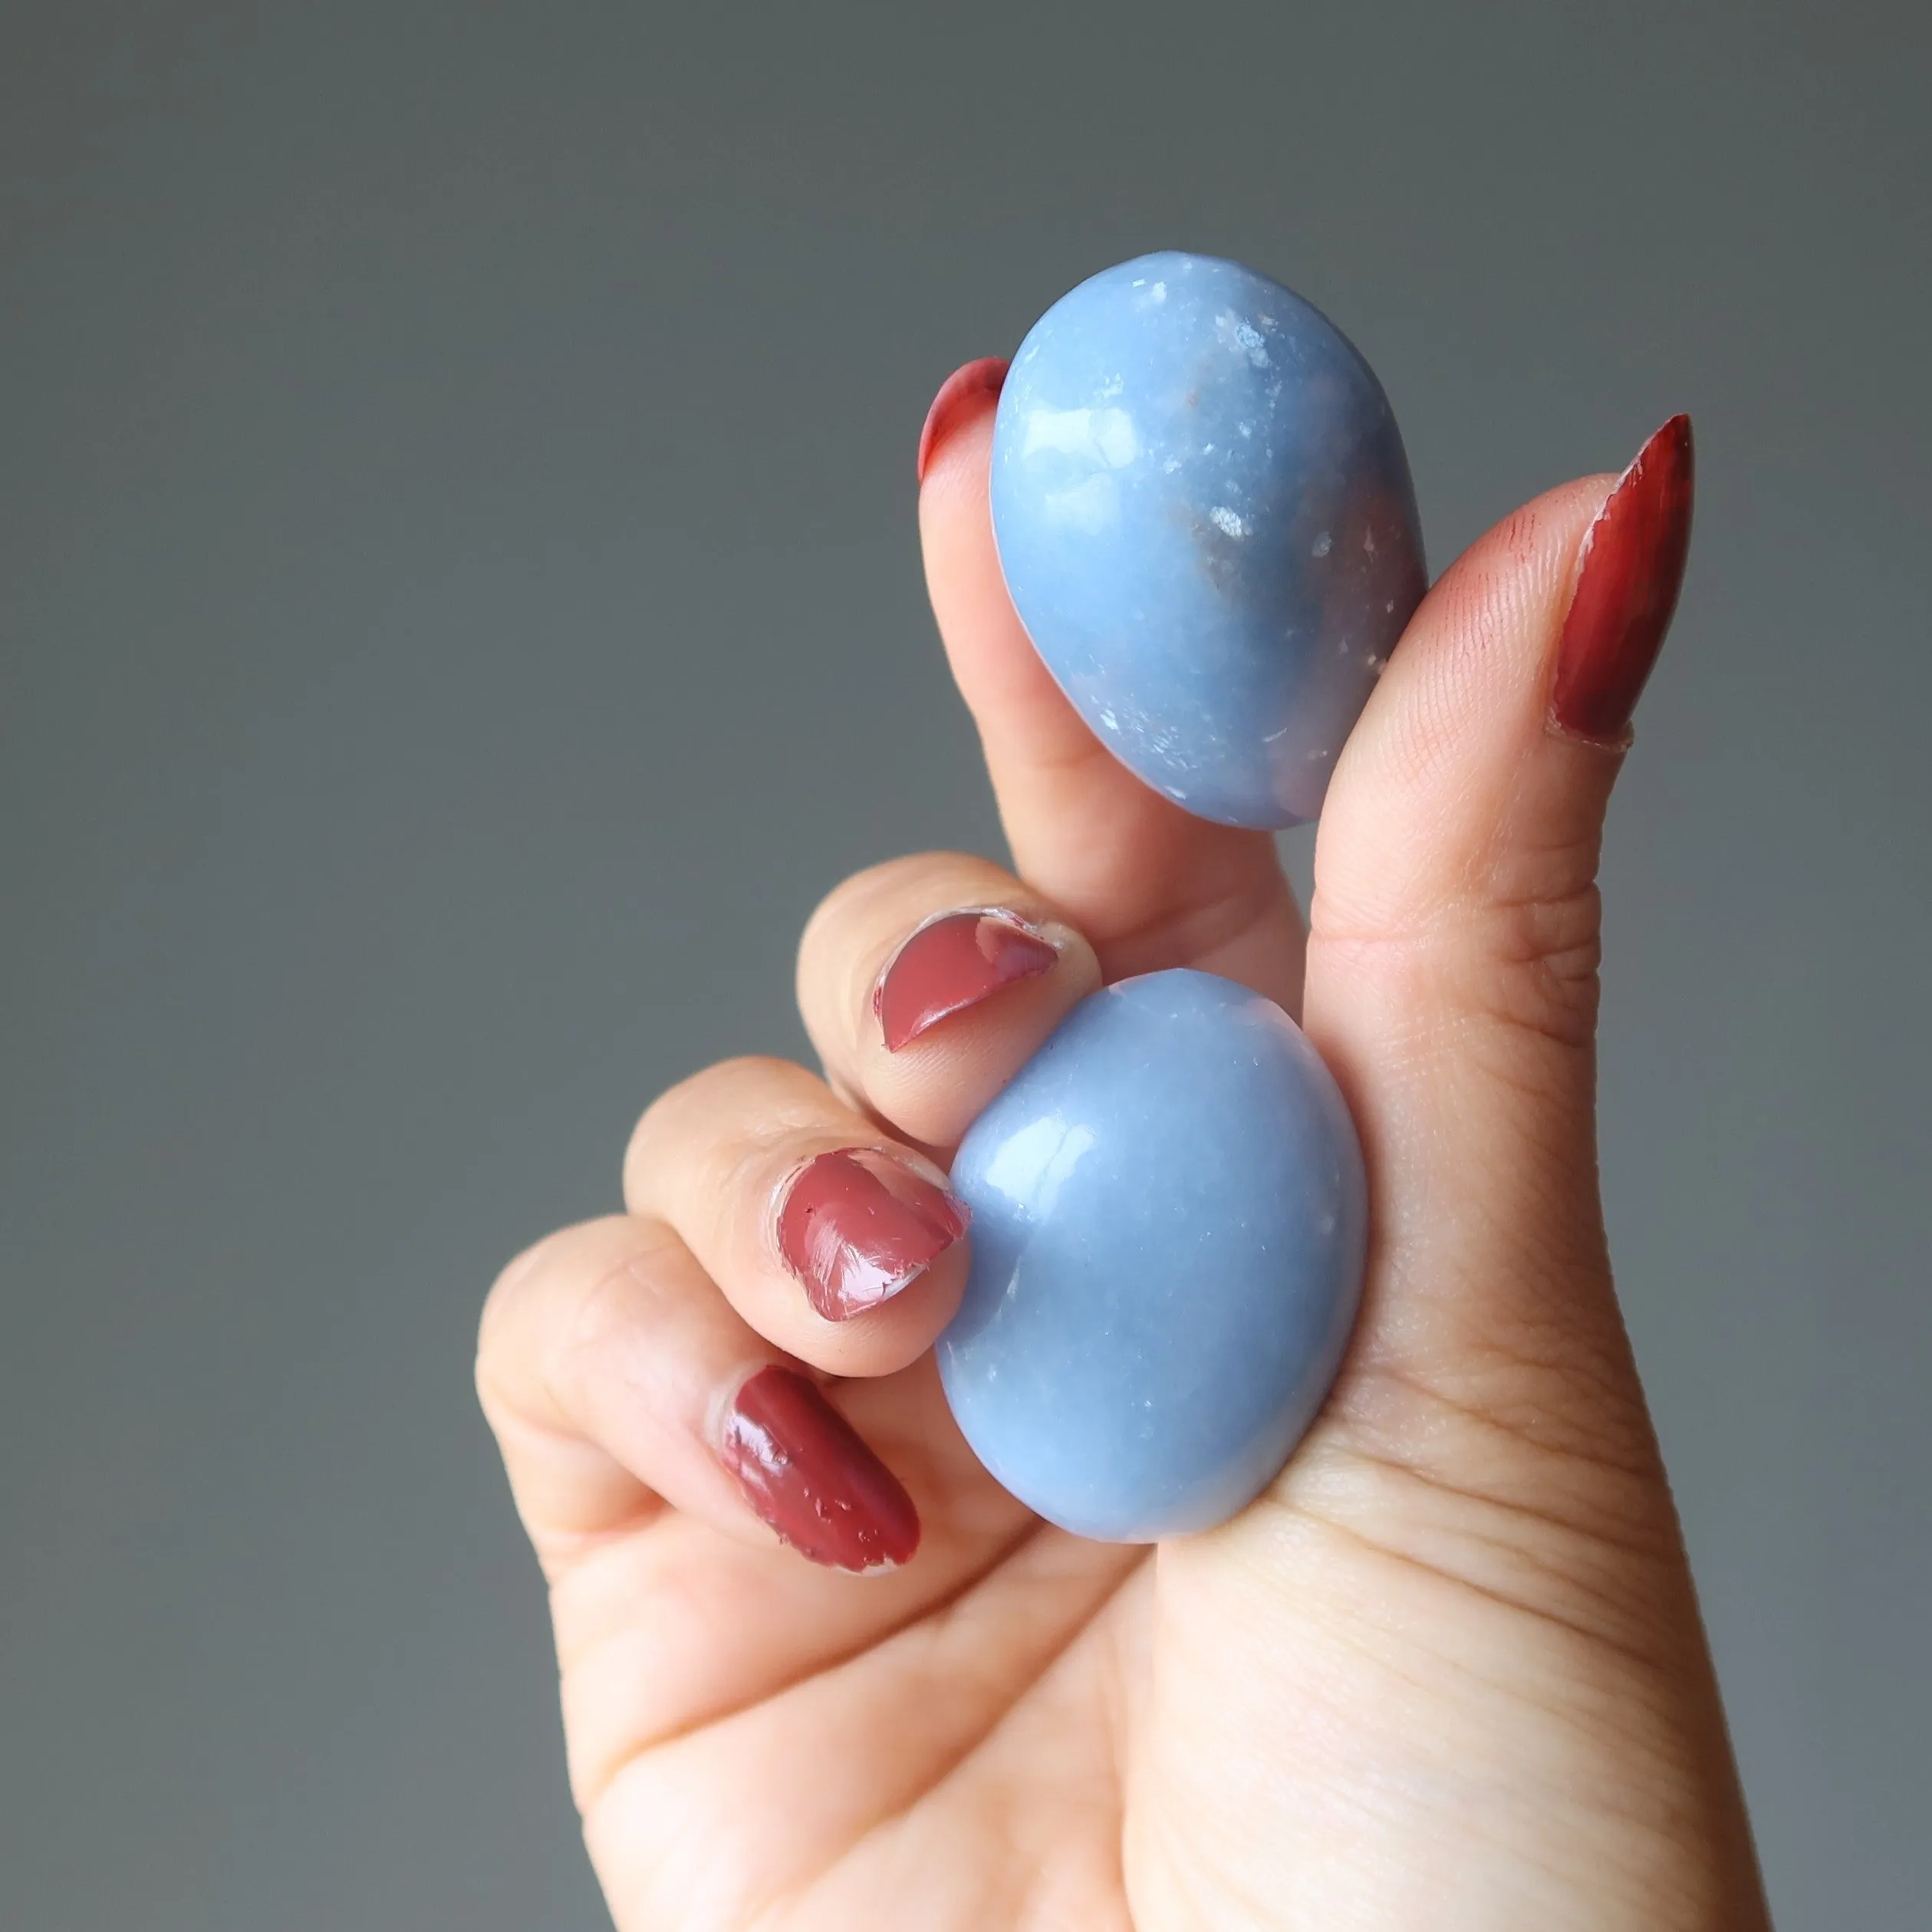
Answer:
(1204, 515)
(1169, 1220)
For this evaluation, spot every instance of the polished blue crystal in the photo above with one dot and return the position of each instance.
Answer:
(1168, 1224)
(1204, 515)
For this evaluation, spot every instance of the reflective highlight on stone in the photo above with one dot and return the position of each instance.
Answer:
(1169, 1221)
(1204, 515)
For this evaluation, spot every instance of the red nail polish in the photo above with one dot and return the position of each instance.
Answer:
(960, 394)
(1626, 590)
(807, 1472)
(857, 1227)
(954, 962)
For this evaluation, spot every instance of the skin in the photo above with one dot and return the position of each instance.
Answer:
(1447, 1672)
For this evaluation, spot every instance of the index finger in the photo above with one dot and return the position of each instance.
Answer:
(1149, 884)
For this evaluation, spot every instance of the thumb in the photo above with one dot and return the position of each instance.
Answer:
(1451, 963)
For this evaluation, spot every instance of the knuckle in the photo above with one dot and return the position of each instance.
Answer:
(508, 1289)
(850, 897)
(616, 1283)
(1528, 969)
(856, 927)
(1513, 939)
(855, 909)
(1534, 1413)
(724, 1084)
(696, 1141)
(524, 1281)
(1538, 966)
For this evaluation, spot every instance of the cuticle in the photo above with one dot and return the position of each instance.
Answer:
(724, 1406)
(1617, 746)
(774, 1207)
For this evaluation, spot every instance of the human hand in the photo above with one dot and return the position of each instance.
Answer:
(1447, 1671)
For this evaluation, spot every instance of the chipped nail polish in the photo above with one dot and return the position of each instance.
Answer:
(953, 961)
(857, 1226)
(809, 1474)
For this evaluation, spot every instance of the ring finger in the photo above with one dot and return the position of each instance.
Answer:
(838, 1244)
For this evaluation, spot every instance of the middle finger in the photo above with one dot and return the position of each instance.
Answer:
(834, 1243)
(926, 984)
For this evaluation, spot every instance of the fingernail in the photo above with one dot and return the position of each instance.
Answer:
(1626, 590)
(960, 394)
(857, 1227)
(953, 961)
(807, 1472)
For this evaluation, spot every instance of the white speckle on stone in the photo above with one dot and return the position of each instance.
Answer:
(1243, 337)
(1318, 755)
(1170, 465)
(1158, 293)
(1107, 718)
(1247, 429)
(1112, 389)
(1323, 544)
(1139, 282)
(1368, 541)
(1390, 606)
(1225, 519)
(1275, 737)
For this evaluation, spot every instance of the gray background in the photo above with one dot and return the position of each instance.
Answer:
(460, 610)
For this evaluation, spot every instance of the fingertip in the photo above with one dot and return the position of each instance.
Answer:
(890, 1334)
(969, 392)
(1020, 710)
(926, 984)
(1459, 842)
(952, 961)
(1466, 682)
(963, 1033)
(1630, 569)
(857, 1227)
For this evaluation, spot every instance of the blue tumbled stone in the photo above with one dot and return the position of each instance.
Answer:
(1204, 515)
(1169, 1216)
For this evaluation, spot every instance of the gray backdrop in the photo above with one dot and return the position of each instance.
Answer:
(461, 610)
